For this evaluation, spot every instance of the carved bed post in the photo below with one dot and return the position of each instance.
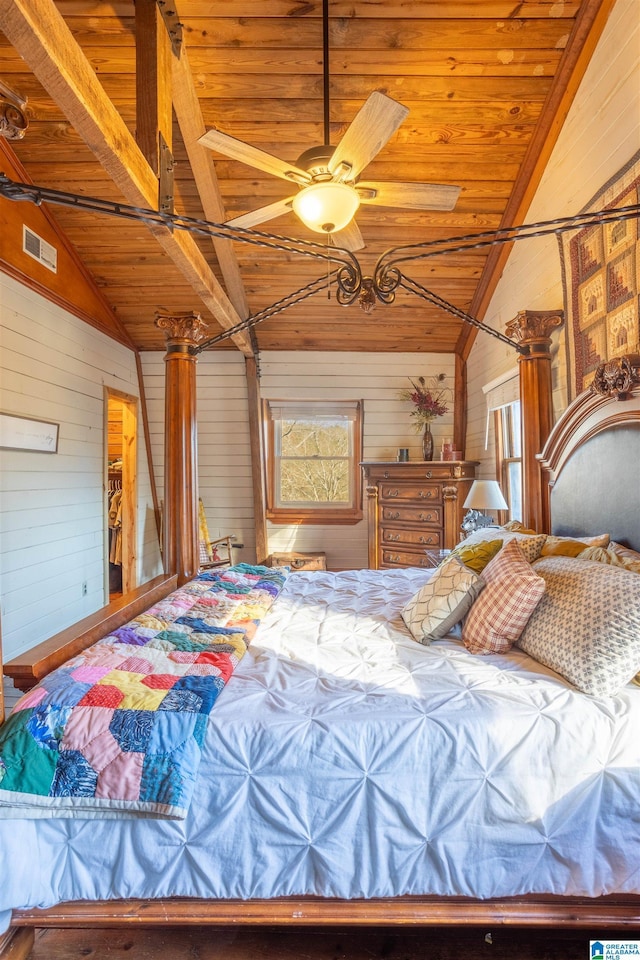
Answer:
(180, 523)
(533, 328)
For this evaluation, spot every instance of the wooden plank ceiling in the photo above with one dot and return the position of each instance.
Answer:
(487, 83)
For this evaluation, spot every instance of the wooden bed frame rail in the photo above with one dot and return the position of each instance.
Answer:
(530, 911)
(30, 667)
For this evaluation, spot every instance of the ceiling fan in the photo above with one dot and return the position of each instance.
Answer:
(328, 178)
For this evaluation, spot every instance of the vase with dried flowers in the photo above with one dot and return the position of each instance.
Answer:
(428, 404)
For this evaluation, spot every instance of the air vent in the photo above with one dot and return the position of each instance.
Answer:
(39, 249)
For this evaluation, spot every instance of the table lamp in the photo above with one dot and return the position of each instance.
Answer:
(483, 495)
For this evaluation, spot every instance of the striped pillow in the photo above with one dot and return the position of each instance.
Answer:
(501, 612)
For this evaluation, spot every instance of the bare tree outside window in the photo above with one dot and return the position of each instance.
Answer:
(314, 461)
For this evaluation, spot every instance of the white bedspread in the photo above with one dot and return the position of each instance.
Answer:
(343, 759)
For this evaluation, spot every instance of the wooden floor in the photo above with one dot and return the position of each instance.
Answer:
(223, 943)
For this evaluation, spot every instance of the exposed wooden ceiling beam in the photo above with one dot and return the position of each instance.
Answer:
(153, 82)
(39, 34)
(189, 115)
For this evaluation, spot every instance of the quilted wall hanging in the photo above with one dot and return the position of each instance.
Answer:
(600, 267)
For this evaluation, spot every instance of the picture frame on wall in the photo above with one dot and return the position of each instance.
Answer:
(600, 276)
(27, 433)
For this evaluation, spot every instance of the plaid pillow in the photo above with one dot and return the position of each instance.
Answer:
(501, 612)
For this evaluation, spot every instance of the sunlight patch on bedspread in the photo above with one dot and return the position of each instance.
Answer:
(118, 730)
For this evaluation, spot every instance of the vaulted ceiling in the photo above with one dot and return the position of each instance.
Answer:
(487, 83)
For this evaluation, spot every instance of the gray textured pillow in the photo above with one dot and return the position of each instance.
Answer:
(587, 625)
(442, 601)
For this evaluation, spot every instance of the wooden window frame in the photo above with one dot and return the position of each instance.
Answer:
(318, 516)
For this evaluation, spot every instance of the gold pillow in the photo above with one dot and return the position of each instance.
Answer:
(476, 555)
(572, 546)
(516, 526)
(554, 547)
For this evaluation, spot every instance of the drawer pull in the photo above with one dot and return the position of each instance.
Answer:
(426, 494)
(426, 540)
(393, 493)
(394, 516)
(425, 517)
(428, 474)
(424, 562)
(390, 536)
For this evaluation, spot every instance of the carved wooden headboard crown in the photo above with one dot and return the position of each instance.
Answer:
(616, 378)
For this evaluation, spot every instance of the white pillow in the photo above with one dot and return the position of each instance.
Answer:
(442, 601)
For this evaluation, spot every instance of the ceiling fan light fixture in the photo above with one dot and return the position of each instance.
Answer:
(326, 207)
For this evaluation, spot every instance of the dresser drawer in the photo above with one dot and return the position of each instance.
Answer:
(417, 491)
(399, 536)
(427, 515)
(404, 558)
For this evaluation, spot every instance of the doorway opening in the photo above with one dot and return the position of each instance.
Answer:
(121, 498)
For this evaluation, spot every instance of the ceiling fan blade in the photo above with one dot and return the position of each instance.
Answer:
(254, 157)
(373, 125)
(349, 238)
(414, 196)
(262, 214)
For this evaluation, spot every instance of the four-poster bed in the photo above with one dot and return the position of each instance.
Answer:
(598, 436)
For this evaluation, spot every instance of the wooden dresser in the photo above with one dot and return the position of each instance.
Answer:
(412, 507)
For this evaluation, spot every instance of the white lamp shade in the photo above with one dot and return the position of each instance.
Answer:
(326, 207)
(485, 495)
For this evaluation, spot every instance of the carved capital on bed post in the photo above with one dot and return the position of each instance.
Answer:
(533, 329)
(183, 333)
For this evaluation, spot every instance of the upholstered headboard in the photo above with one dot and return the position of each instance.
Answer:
(592, 458)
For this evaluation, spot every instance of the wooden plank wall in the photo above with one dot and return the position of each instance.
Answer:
(223, 432)
(377, 379)
(223, 441)
(52, 523)
(586, 156)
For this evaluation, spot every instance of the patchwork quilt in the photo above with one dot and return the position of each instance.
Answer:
(118, 730)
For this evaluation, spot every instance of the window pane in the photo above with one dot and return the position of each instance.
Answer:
(314, 481)
(514, 481)
(320, 437)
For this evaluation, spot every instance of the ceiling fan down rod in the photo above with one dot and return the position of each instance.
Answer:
(325, 71)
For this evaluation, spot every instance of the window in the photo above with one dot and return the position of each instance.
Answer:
(509, 456)
(314, 450)
(503, 410)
